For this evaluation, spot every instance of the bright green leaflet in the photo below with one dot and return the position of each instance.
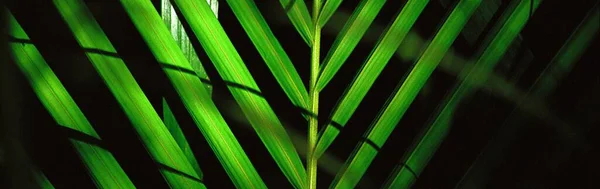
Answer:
(298, 14)
(348, 38)
(171, 123)
(102, 166)
(170, 18)
(328, 9)
(371, 69)
(230, 66)
(271, 50)
(566, 57)
(451, 64)
(396, 107)
(194, 96)
(153, 133)
(432, 137)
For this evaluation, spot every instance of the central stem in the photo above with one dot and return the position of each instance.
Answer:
(314, 99)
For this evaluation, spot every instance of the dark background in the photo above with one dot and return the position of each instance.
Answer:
(523, 165)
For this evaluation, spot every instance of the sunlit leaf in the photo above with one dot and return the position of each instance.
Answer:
(300, 18)
(152, 131)
(371, 69)
(230, 66)
(170, 18)
(194, 96)
(271, 50)
(432, 136)
(404, 96)
(328, 9)
(102, 166)
(175, 130)
(348, 38)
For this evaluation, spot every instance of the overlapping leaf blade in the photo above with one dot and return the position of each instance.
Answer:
(327, 10)
(175, 130)
(230, 66)
(371, 69)
(194, 95)
(174, 25)
(300, 18)
(271, 50)
(405, 94)
(425, 146)
(102, 166)
(348, 38)
(146, 121)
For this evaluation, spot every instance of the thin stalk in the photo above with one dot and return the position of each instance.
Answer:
(314, 99)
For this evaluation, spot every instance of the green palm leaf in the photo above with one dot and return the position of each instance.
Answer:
(405, 94)
(426, 146)
(152, 131)
(170, 18)
(271, 50)
(328, 9)
(567, 56)
(348, 38)
(102, 166)
(194, 95)
(452, 64)
(371, 69)
(175, 130)
(230, 66)
(298, 14)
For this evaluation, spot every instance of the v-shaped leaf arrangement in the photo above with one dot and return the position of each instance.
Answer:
(170, 45)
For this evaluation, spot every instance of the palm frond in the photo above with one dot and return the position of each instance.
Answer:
(174, 25)
(146, 121)
(406, 93)
(452, 64)
(271, 50)
(300, 18)
(230, 66)
(348, 38)
(175, 130)
(102, 166)
(327, 11)
(194, 95)
(568, 54)
(371, 69)
(432, 136)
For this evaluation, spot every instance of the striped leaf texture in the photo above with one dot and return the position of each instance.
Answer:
(300, 94)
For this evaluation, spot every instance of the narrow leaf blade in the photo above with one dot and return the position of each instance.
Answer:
(101, 164)
(328, 9)
(194, 96)
(175, 130)
(348, 38)
(230, 66)
(425, 146)
(146, 121)
(300, 18)
(370, 71)
(169, 16)
(271, 50)
(406, 93)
